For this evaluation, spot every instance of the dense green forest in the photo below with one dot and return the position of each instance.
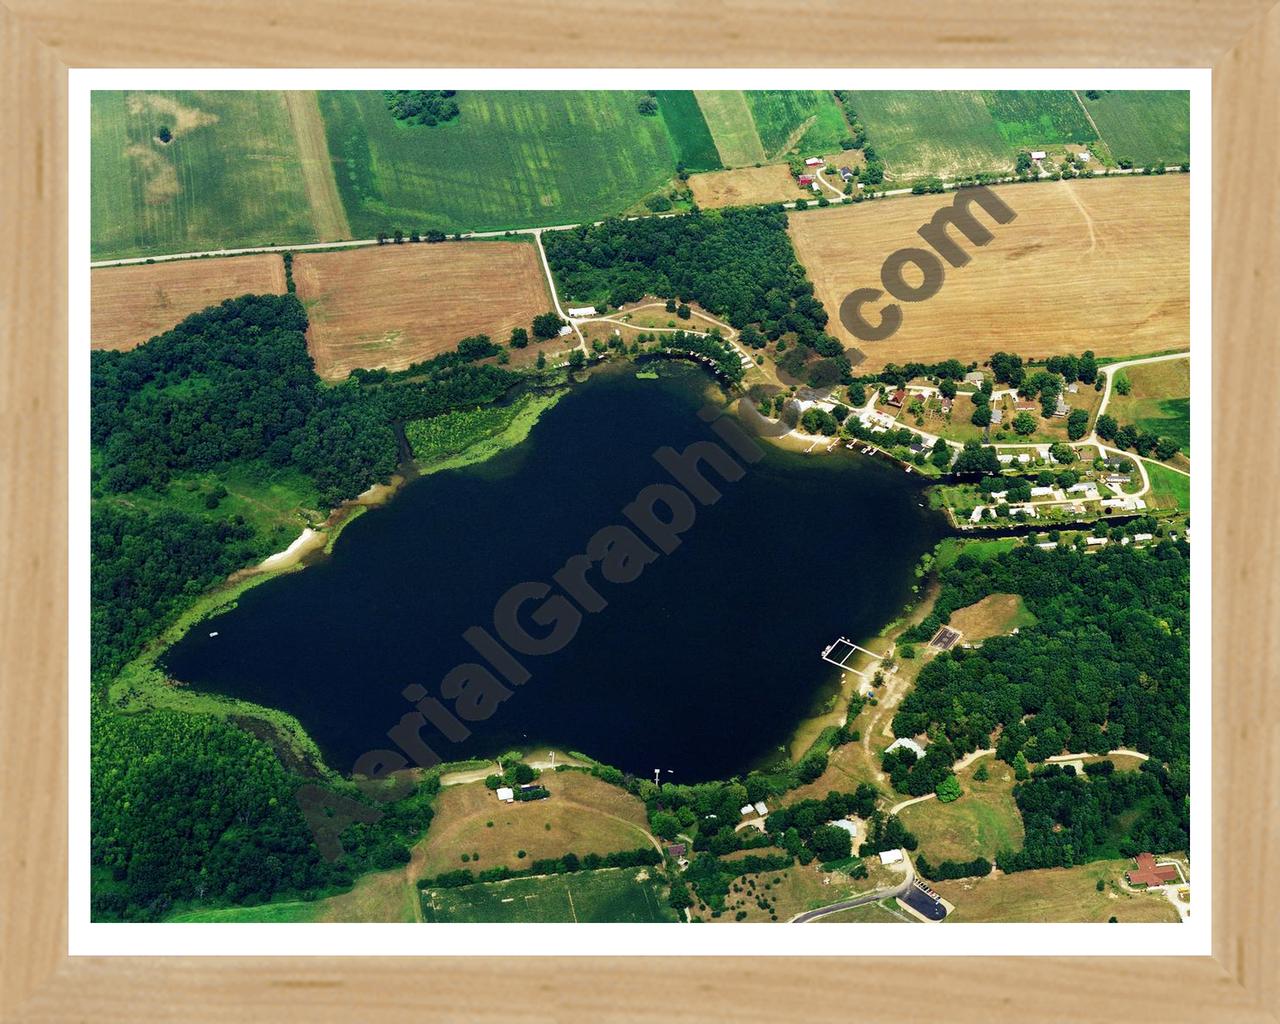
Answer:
(192, 808)
(233, 386)
(1106, 665)
(736, 263)
(1069, 819)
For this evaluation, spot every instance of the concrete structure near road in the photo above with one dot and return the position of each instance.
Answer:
(891, 857)
(905, 741)
(1148, 872)
(506, 794)
(581, 310)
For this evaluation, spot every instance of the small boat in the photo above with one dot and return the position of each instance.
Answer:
(214, 633)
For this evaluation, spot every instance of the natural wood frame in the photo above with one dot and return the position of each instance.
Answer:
(40, 39)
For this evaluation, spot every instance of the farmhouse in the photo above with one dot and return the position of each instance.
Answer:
(581, 311)
(1148, 872)
(974, 377)
(898, 397)
(846, 173)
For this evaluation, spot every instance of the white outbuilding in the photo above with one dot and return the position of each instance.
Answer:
(761, 808)
(906, 741)
(581, 311)
(891, 857)
(506, 794)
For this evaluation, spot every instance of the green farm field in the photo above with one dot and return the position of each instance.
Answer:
(932, 133)
(799, 122)
(230, 176)
(1159, 400)
(1144, 126)
(1169, 488)
(608, 895)
(1035, 119)
(729, 120)
(690, 137)
(511, 159)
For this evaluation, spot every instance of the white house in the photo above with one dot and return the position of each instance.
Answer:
(1043, 492)
(1142, 536)
(746, 809)
(1038, 154)
(566, 329)
(1096, 542)
(506, 794)
(761, 808)
(581, 311)
(891, 857)
(910, 744)
(1085, 155)
(814, 161)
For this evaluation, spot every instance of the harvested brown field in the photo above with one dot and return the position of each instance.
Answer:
(1101, 264)
(395, 305)
(129, 305)
(746, 186)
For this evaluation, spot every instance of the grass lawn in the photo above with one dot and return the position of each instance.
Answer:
(511, 159)
(618, 895)
(289, 912)
(582, 815)
(950, 548)
(230, 176)
(994, 615)
(801, 122)
(690, 137)
(1168, 489)
(1067, 895)
(932, 133)
(729, 120)
(1144, 126)
(982, 823)
(1159, 401)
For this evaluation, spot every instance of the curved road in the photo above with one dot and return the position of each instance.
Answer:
(859, 901)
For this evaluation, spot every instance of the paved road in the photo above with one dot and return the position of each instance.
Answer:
(356, 242)
(859, 901)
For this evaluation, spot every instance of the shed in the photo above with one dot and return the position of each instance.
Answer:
(506, 794)
(891, 857)
(566, 329)
(805, 179)
(847, 825)
(1038, 154)
(974, 377)
(746, 809)
(814, 161)
(581, 311)
(761, 808)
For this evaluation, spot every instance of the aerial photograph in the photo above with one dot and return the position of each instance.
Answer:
(623, 506)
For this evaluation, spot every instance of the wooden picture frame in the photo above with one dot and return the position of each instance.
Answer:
(41, 39)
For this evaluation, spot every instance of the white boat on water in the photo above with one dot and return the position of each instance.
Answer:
(214, 633)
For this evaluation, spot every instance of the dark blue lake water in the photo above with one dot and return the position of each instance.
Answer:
(704, 665)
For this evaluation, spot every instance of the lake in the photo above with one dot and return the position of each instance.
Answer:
(702, 666)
